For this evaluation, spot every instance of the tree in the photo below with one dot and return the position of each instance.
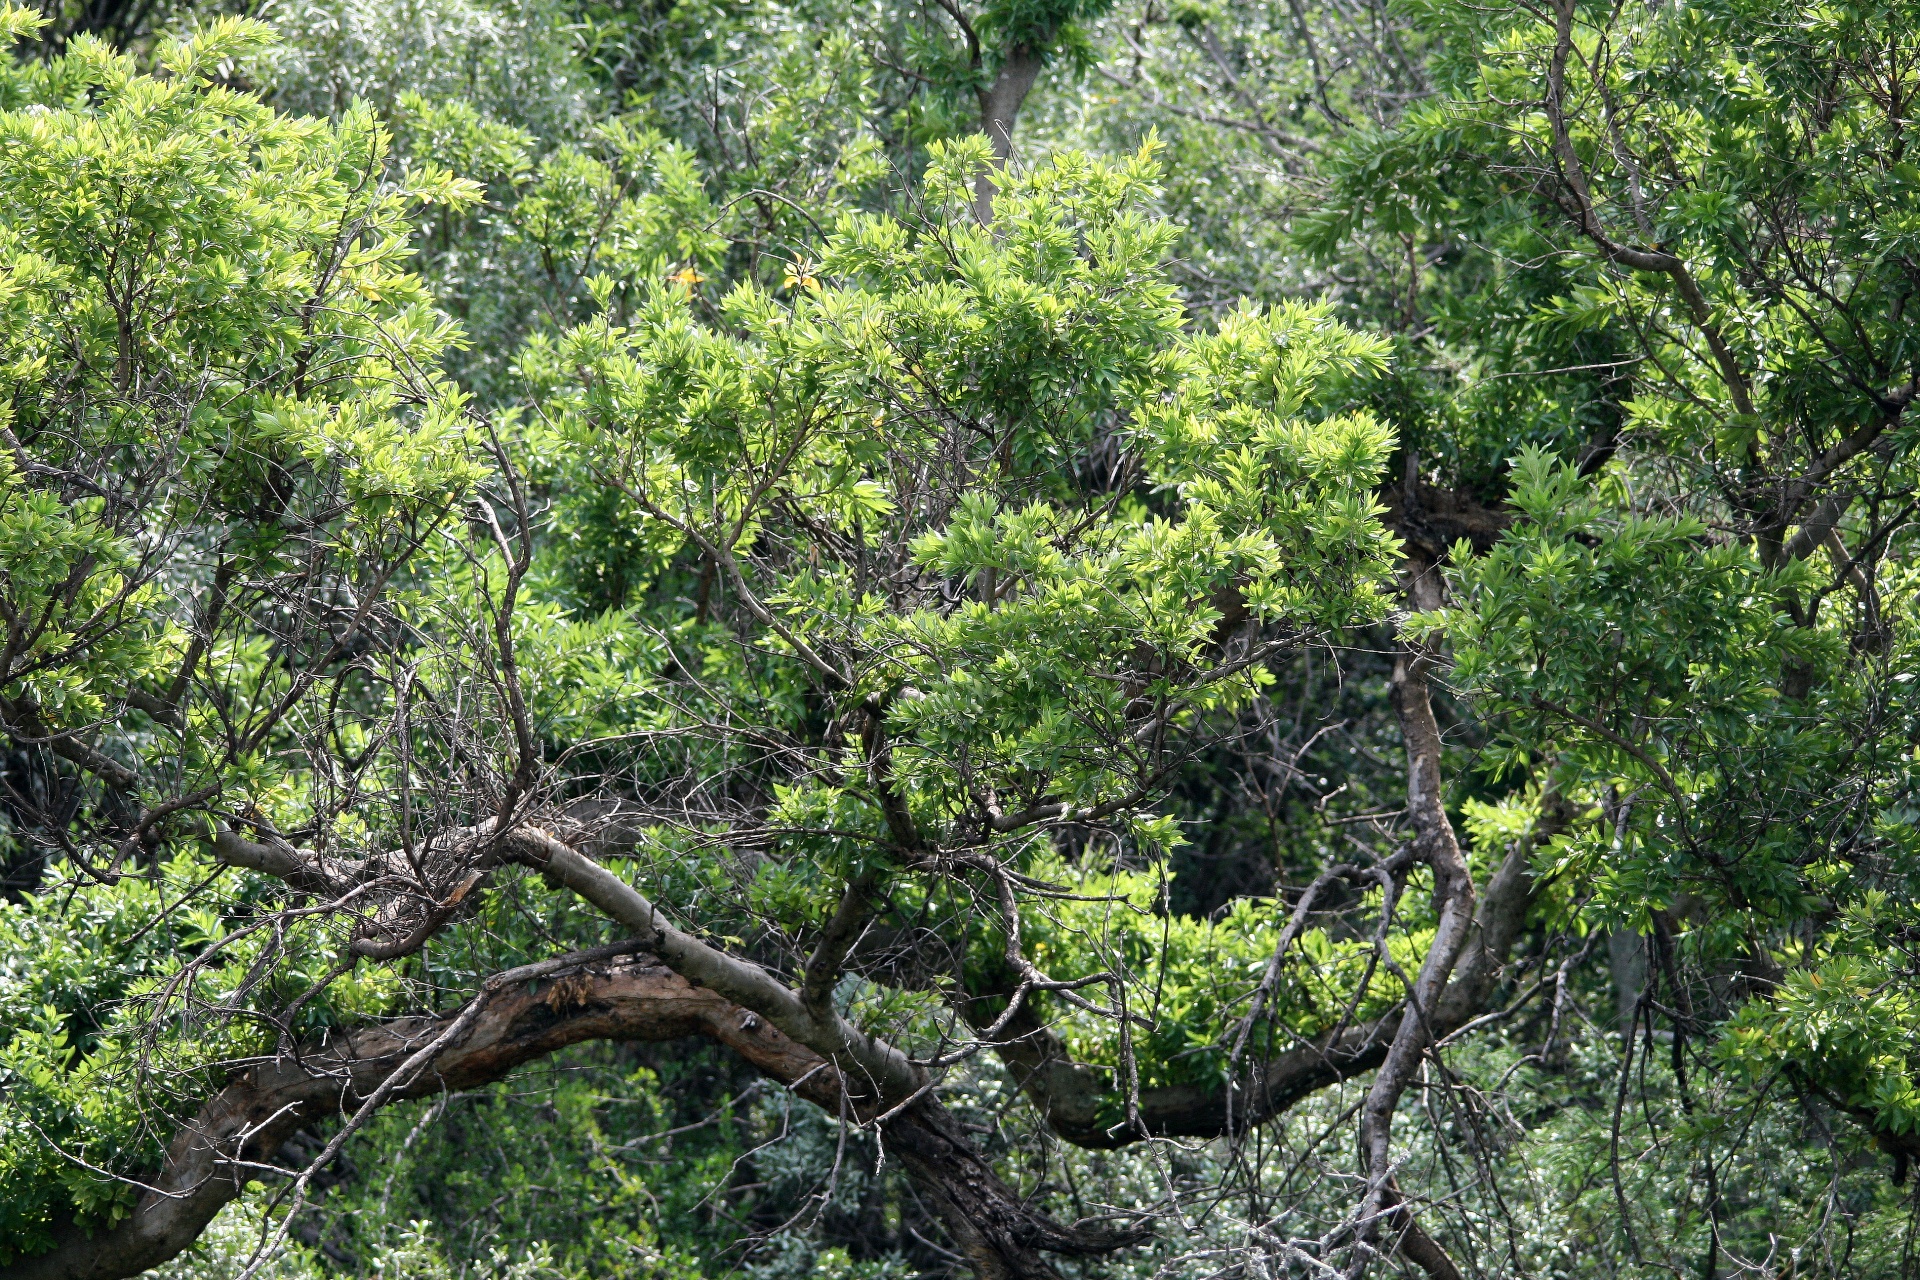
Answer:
(985, 544)
(1730, 178)
(850, 607)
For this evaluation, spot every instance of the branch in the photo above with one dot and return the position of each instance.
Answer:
(721, 554)
(612, 993)
(1848, 447)
(1434, 843)
(1081, 1108)
(890, 1075)
(1588, 221)
(25, 726)
(305, 872)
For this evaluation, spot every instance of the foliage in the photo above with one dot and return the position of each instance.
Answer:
(983, 588)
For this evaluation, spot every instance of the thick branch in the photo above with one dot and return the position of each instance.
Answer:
(591, 996)
(25, 725)
(1082, 1107)
(1435, 844)
(1455, 983)
(299, 870)
(229, 1141)
(888, 1075)
(1795, 492)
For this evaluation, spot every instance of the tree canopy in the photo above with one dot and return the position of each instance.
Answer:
(798, 638)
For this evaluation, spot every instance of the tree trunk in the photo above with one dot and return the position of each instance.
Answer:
(1000, 105)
